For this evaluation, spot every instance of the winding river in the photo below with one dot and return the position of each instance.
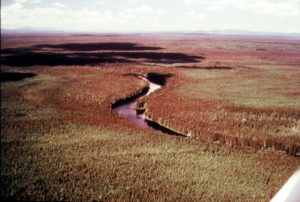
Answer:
(131, 114)
(289, 192)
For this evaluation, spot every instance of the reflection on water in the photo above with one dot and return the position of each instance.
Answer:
(127, 111)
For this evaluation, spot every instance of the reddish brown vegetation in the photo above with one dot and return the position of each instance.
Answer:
(205, 119)
(228, 125)
(97, 150)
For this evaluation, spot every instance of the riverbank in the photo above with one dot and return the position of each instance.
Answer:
(58, 146)
(145, 119)
(60, 139)
(133, 108)
(187, 106)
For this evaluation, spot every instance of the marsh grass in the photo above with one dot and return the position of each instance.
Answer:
(256, 107)
(60, 139)
(79, 162)
(262, 87)
(47, 156)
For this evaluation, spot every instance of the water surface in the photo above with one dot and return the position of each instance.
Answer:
(131, 114)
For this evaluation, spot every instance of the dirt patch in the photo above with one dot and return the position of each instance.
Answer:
(207, 67)
(157, 78)
(15, 76)
(91, 54)
(98, 46)
(261, 49)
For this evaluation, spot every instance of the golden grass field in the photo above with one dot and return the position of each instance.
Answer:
(238, 98)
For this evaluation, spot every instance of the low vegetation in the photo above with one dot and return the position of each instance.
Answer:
(61, 140)
(236, 108)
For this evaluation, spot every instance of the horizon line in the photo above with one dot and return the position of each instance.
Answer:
(217, 31)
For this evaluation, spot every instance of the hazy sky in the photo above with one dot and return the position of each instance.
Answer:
(152, 15)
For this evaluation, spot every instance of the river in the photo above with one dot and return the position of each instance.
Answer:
(131, 114)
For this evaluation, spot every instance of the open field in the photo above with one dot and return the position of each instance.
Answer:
(237, 97)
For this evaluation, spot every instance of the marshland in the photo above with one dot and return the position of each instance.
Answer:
(234, 100)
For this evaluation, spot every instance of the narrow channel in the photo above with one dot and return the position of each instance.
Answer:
(131, 114)
(126, 109)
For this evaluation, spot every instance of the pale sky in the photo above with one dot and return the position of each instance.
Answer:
(152, 15)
